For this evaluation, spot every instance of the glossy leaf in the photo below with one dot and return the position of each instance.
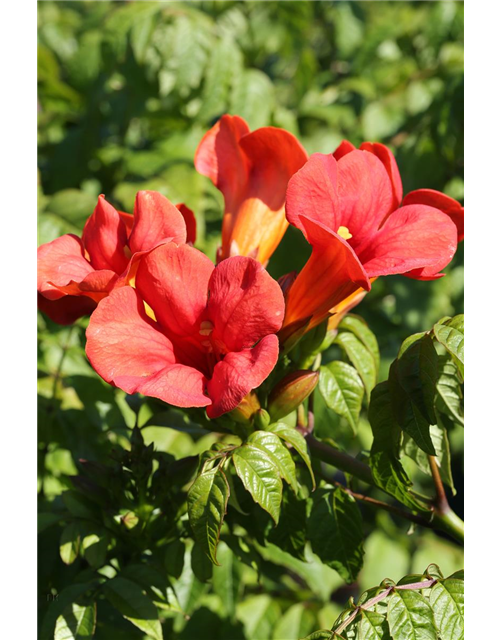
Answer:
(76, 622)
(450, 333)
(296, 440)
(322, 634)
(386, 431)
(207, 505)
(280, 455)
(342, 390)
(260, 477)
(449, 398)
(361, 358)
(447, 601)
(356, 325)
(134, 605)
(410, 616)
(390, 476)
(336, 532)
(373, 626)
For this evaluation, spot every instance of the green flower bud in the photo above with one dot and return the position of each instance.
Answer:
(262, 419)
(291, 392)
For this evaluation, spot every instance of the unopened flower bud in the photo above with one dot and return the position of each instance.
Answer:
(246, 410)
(262, 419)
(290, 392)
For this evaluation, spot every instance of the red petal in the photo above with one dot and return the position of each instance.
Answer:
(105, 237)
(332, 273)
(313, 193)
(67, 309)
(387, 158)
(220, 158)
(414, 237)
(95, 285)
(174, 282)
(239, 373)
(190, 220)
(245, 303)
(365, 193)
(343, 149)
(442, 202)
(129, 350)
(60, 262)
(128, 221)
(156, 220)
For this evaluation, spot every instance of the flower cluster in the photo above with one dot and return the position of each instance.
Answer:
(166, 322)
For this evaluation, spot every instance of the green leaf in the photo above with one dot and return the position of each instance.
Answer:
(441, 444)
(69, 546)
(390, 476)
(76, 622)
(253, 97)
(296, 440)
(142, 29)
(64, 599)
(447, 601)
(95, 546)
(227, 580)
(361, 358)
(296, 621)
(322, 634)
(46, 520)
(356, 325)
(134, 605)
(342, 390)
(386, 431)
(410, 616)
(450, 333)
(290, 533)
(201, 564)
(207, 505)
(449, 398)
(373, 626)
(280, 455)
(408, 415)
(260, 477)
(417, 371)
(336, 532)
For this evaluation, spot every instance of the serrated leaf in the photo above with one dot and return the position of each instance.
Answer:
(450, 333)
(408, 415)
(134, 605)
(447, 601)
(417, 372)
(336, 532)
(361, 358)
(321, 634)
(290, 534)
(64, 599)
(207, 505)
(441, 444)
(260, 477)
(410, 616)
(76, 622)
(356, 325)
(386, 431)
(69, 545)
(449, 393)
(342, 390)
(296, 440)
(373, 626)
(389, 475)
(280, 455)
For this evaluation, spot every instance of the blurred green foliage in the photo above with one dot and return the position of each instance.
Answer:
(126, 91)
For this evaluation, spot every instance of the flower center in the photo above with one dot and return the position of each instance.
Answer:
(343, 232)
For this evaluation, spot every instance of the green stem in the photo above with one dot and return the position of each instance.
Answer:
(441, 517)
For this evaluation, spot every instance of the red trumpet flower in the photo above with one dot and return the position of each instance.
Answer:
(75, 274)
(252, 170)
(347, 206)
(189, 333)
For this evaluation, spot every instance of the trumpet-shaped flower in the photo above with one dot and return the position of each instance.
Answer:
(252, 169)
(74, 273)
(189, 333)
(348, 207)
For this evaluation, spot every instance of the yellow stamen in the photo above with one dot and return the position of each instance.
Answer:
(149, 311)
(206, 328)
(343, 232)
